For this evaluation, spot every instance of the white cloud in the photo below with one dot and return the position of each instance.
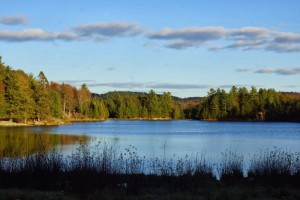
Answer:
(109, 29)
(180, 44)
(34, 34)
(199, 34)
(236, 85)
(265, 70)
(75, 81)
(14, 20)
(245, 38)
(246, 45)
(287, 37)
(249, 32)
(292, 86)
(213, 38)
(288, 71)
(150, 85)
(283, 47)
(244, 69)
(179, 86)
(98, 32)
(279, 71)
(119, 85)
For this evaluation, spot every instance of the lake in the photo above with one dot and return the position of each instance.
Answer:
(163, 138)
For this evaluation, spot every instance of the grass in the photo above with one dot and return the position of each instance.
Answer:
(101, 171)
(276, 167)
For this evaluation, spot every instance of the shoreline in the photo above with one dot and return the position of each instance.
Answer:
(5, 123)
(9, 123)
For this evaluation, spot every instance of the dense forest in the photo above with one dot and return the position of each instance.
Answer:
(253, 104)
(25, 98)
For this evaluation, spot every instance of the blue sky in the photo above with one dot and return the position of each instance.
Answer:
(185, 47)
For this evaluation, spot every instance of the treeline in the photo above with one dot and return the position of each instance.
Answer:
(24, 98)
(253, 104)
(142, 105)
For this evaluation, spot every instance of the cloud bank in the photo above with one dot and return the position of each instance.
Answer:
(109, 29)
(14, 20)
(280, 71)
(219, 38)
(35, 35)
(214, 38)
(164, 86)
(75, 81)
(270, 70)
(244, 69)
(150, 85)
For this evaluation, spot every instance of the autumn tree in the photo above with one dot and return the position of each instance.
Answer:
(83, 99)
(68, 99)
(43, 99)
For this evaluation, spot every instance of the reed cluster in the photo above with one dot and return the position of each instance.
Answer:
(103, 166)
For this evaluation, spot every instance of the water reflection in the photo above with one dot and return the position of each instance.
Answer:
(22, 141)
(159, 138)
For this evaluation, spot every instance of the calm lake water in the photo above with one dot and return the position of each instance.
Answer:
(166, 138)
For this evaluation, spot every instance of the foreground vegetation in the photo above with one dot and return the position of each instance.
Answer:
(102, 171)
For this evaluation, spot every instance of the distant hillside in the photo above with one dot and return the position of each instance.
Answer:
(292, 95)
(130, 93)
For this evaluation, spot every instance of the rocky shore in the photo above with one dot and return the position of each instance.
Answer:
(34, 123)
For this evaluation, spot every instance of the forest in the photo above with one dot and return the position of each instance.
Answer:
(26, 98)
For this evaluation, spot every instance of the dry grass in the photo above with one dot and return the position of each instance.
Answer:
(101, 170)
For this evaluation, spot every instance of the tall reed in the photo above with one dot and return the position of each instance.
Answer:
(97, 164)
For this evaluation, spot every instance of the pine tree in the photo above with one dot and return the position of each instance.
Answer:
(154, 109)
(15, 107)
(2, 100)
(42, 97)
(166, 104)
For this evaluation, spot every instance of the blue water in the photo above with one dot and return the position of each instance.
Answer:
(184, 137)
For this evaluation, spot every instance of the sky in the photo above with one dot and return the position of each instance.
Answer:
(183, 47)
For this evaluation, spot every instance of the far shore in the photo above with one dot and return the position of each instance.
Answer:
(59, 122)
(31, 123)
(11, 123)
(70, 121)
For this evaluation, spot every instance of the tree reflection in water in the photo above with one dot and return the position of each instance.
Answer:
(18, 142)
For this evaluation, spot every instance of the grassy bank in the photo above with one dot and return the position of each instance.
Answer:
(102, 171)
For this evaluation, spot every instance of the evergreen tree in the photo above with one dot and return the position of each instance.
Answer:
(244, 101)
(15, 107)
(2, 100)
(55, 104)
(233, 103)
(42, 96)
(154, 109)
(166, 105)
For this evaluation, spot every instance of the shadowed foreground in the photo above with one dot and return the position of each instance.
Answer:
(102, 172)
